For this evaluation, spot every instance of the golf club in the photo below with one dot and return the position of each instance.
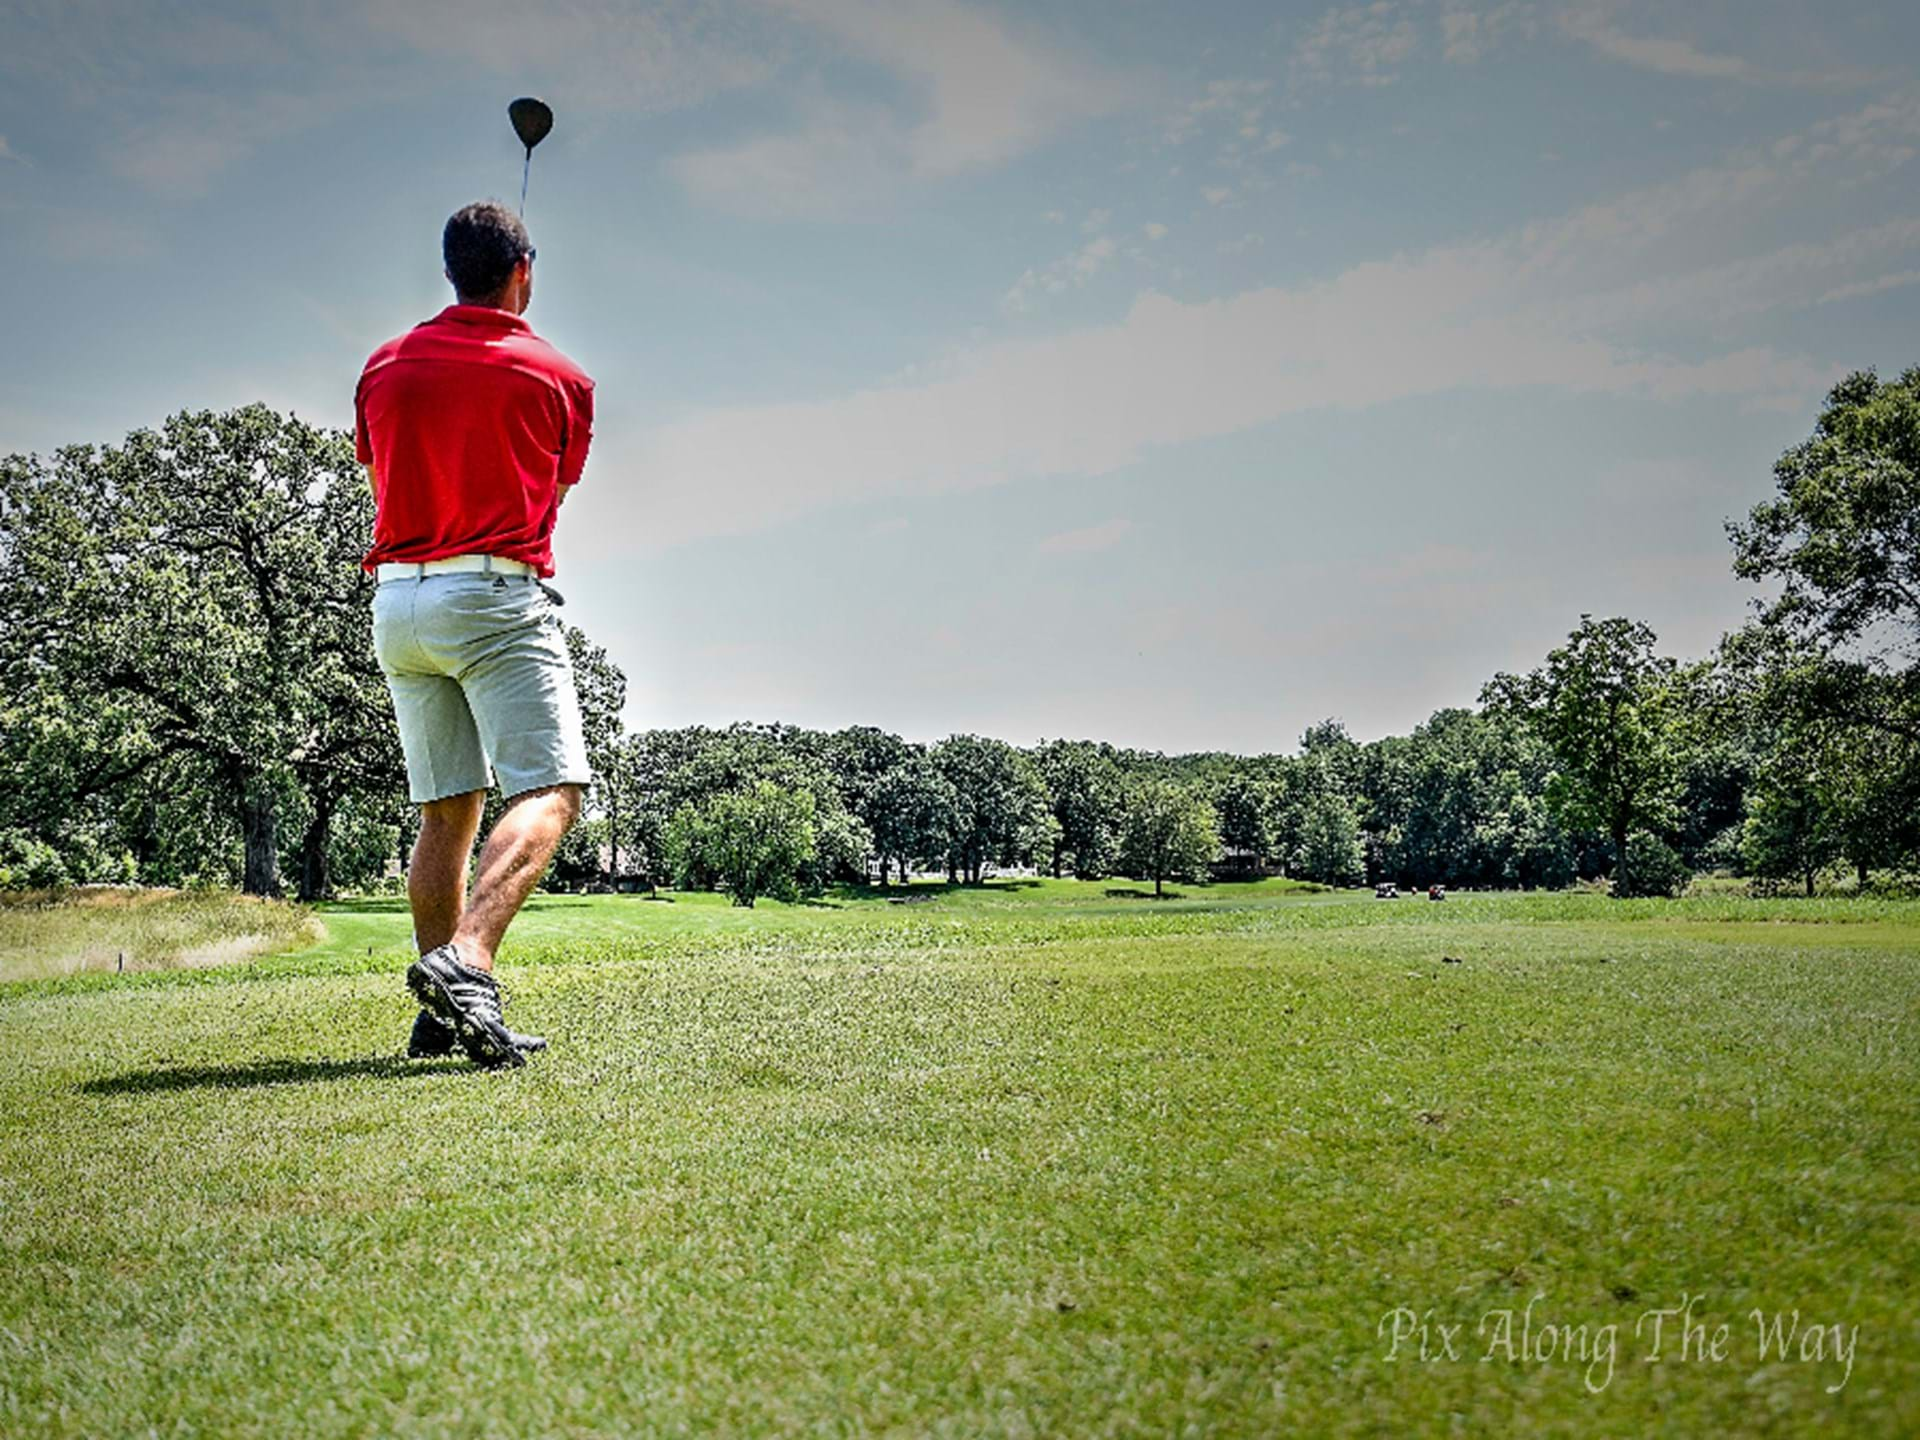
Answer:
(532, 119)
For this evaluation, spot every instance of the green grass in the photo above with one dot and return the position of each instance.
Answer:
(1033, 1160)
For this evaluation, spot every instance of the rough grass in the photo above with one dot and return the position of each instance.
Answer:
(49, 934)
(1029, 1161)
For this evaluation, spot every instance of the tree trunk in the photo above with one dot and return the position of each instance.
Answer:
(259, 824)
(1156, 887)
(1809, 884)
(1620, 860)
(315, 881)
(1860, 874)
(613, 842)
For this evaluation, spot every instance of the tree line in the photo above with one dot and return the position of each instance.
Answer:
(188, 694)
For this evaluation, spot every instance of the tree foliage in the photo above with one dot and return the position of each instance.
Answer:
(1611, 708)
(752, 841)
(1168, 831)
(999, 801)
(187, 610)
(1842, 535)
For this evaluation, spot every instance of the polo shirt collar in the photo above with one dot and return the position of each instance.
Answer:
(482, 315)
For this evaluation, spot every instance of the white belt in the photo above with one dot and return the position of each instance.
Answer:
(452, 565)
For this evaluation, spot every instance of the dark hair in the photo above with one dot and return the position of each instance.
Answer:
(482, 244)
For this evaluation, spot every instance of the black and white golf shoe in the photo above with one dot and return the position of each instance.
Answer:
(433, 1038)
(468, 1000)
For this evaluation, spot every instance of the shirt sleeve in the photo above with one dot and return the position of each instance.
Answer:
(573, 454)
(362, 441)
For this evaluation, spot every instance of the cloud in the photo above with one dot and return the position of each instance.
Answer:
(72, 237)
(1664, 55)
(1069, 272)
(1093, 401)
(175, 97)
(181, 145)
(1087, 541)
(7, 152)
(1879, 285)
(1360, 44)
(172, 98)
(649, 56)
(983, 93)
(1154, 230)
(1576, 304)
(1788, 277)
(1468, 35)
(1240, 101)
(178, 162)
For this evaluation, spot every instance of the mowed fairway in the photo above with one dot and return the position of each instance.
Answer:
(1040, 1160)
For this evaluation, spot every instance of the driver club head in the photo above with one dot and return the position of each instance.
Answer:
(532, 120)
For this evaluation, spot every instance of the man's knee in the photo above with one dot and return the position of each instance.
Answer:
(561, 802)
(457, 812)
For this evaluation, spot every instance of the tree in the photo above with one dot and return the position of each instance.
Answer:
(1330, 848)
(857, 757)
(1611, 710)
(753, 841)
(1832, 788)
(601, 687)
(641, 772)
(1337, 753)
(1245, 807)
(1168, 831)
(911, 811)
(998, 801)
(1843, 536)
(1084, 792)
(1788, 835)
(191, 611)
(1832, 668)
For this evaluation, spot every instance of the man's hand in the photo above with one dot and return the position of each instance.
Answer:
(564, 491)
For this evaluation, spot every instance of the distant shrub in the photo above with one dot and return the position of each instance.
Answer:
(1654, 868)
(1892, 886)
(1723, 851)
(30, 864)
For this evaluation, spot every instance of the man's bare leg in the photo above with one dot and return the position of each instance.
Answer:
(437, 876)
(511, 864)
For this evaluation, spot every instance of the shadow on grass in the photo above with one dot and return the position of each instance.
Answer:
(267, 1072)
(1125, 892)
(932, 889)
(397, 905)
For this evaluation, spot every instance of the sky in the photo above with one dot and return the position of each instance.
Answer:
(1169, 374)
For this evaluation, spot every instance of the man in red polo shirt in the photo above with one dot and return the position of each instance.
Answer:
(473, 430)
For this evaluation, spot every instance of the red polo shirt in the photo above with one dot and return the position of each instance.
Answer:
(471, 423)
